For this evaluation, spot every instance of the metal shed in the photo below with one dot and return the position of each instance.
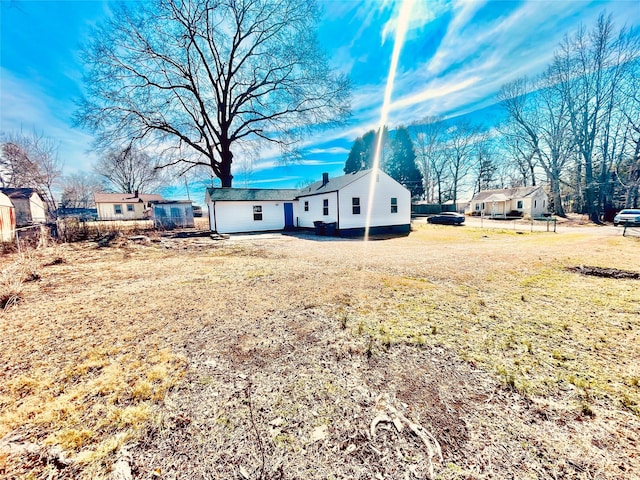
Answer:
(7, 219)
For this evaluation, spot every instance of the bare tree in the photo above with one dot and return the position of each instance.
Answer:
(429, 141)
(485, 163)
(31, 161)
(129, 171)
(78, 189)
(589, 71)
(460, 150)
(204, 76)
(541, 120)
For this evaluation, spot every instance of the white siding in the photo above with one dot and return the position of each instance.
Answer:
(235, 217)
(539, 203)
(316, 209)
(106, 211)
(385, 188)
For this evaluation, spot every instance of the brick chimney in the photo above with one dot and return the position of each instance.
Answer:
(325, 178)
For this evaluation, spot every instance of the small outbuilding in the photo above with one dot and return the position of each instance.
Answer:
(170, 214)
(125, 206)
(510, 202)
(7, 219)
(28, 204)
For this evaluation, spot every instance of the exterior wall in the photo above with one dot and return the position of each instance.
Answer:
(341, 206)
(7, 223)
(538, 204)
(238, 217)
(381, 215)
(22, 211)
(316, 209)
(38, 210)
(106, 211)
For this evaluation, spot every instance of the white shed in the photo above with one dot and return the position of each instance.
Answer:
(7, 219)
(349, 199)
(235, 210)
(29, 206)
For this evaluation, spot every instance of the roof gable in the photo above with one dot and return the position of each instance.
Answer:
(251, 194)
(333, 184)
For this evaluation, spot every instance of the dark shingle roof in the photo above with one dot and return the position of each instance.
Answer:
(509, 193)
(333, 184)
(16, 193)
(252, 194)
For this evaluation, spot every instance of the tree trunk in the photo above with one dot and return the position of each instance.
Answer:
(226, 159)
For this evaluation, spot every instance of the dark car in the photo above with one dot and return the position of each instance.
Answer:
(447, 218)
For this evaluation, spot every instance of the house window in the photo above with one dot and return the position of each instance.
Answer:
(544, 204)
(519, 204)
(394, 205)
(482, 205)
(477, 206)
(117, 208)
(535, 204)
(257, 212)
(129, 207)
(306, 205)
(355, 205)
(325, 206)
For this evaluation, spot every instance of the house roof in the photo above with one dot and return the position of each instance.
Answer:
(170, 202)
(19, 193)
(126, 197)
(5, 201)
(251, 194)
(333, 184)
(502, 195)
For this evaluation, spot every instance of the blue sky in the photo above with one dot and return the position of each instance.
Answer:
(456, 56)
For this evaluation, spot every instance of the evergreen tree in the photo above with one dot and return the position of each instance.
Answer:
(401, 164)
(356, 157)
(363, 151)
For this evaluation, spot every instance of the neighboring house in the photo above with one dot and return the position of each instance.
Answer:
(125, 206)
(520, 201)
(7, 219)
(169, 214)
(342, 204)
(233, 210)
(29, 206)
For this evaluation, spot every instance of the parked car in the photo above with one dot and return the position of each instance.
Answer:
(197, 210)
(628, 216)
(447, 218)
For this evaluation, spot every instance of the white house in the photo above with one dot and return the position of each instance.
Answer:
(7, 219)
(520, 201)
(233, 210)
(349, 199)
(29, 205)
(339, 205)
(125, 206)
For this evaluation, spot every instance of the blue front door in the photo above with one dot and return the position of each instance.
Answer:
(288, 216)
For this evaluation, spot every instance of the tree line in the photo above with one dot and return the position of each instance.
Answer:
(575, 128)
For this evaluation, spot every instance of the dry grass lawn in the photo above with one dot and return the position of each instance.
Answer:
(452, 353)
